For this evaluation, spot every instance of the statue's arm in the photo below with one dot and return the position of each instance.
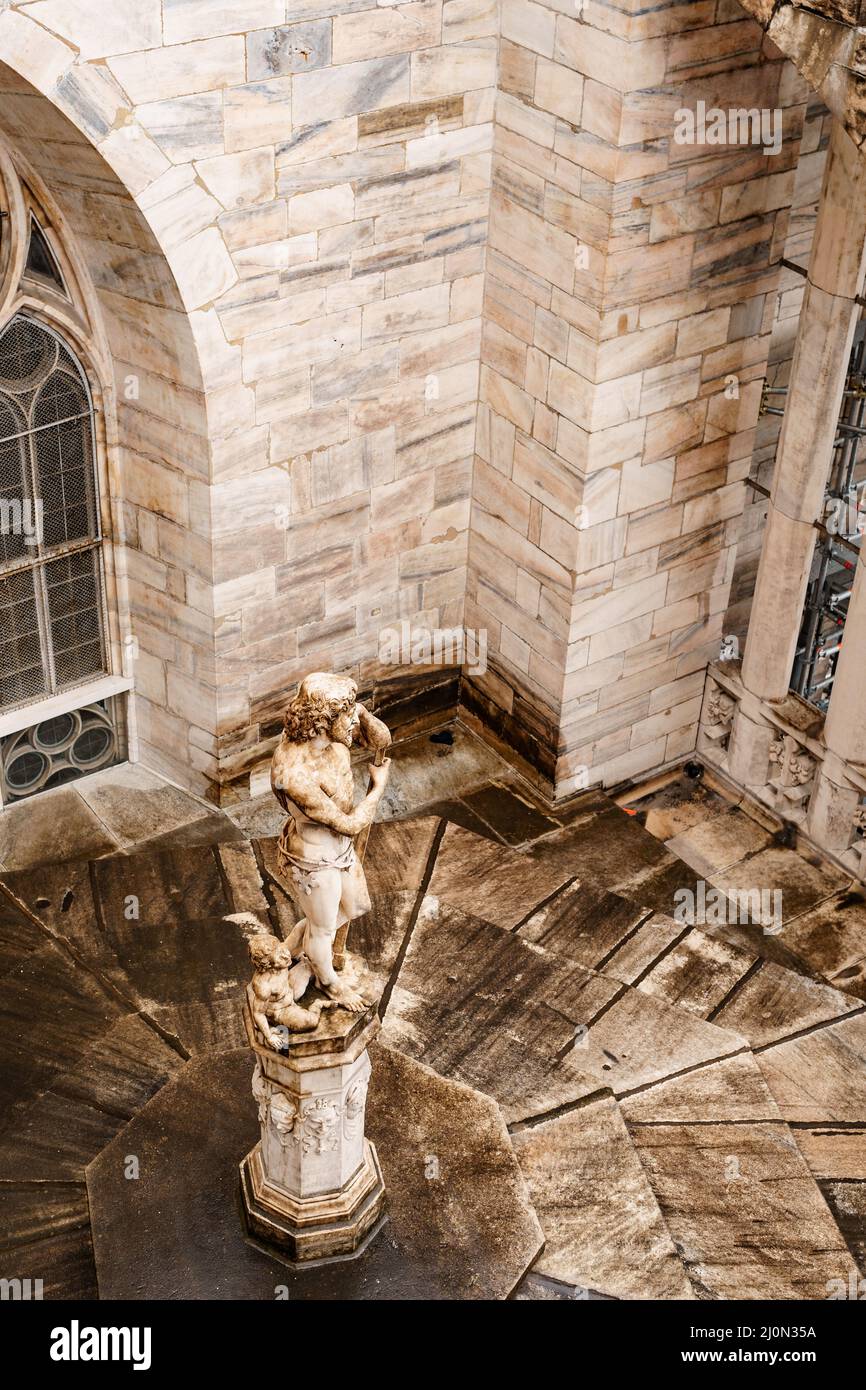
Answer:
(258, 1007)
(372, 732)
(262, 1022)
(316, 804)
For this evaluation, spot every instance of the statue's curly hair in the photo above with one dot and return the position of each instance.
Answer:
(263, 949)
(321, 699)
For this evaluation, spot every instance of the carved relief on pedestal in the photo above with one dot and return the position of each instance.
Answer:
(320, 1126)
(717, 720)
(792, 778)
(353, 1116)
(275, 1108)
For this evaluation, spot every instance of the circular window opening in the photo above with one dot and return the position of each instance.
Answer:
(53, 734)
(28, 355)
(92, 746)
(25, 771)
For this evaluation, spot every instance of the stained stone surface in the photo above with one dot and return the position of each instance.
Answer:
(643, 946)
(830, 940)
(151, 926)
(57, 1132)
(464, 1231)
(641, 1040)
(802, 884)
(208, 830)
(732, 1090)
(51, 1012)
(136, 805)
(462, 979)
(532, 1028)
(20, 937)
(45, 1234)
(610, 850)
(821, 1075)
(548, 974)
(584, 924)
(458, 813)
(423, 772)
(539, 1288)
(513, 817)
(51, 827)
(602, 1224)
(109, 812)
(774, 1003)
(743, 1209)
(847, 1202)
(698, 974)
(613, 852)
(677, 806)
(490, 881)
(834, 1151)
(824, 915)
(714, 845)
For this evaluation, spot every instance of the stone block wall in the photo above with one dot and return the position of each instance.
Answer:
(629, 302)
(434, 321)
(316, 181)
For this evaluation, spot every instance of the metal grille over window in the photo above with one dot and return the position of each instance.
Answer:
(51, 590)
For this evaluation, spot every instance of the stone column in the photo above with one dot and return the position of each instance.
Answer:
(818, 374)
(312, 1186)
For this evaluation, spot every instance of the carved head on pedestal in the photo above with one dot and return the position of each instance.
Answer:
(324, 705)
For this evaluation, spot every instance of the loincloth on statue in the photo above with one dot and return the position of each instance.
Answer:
(302, 872)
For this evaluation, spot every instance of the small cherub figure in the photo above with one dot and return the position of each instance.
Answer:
(277, 985)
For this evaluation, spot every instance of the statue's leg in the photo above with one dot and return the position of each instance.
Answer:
(300, 976)
(323, 918)
(355, 900)
(295, 939)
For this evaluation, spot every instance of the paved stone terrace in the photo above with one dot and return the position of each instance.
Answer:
(688, 1107)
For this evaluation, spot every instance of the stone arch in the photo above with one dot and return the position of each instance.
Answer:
(129, 324)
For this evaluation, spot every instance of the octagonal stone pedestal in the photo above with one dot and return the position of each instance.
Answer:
(312, 1186)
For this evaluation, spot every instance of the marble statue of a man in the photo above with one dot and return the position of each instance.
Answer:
(311, 776)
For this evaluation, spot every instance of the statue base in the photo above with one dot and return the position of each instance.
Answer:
(333, 1226)
(312, 1187)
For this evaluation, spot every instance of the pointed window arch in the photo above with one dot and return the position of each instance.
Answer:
(52, 629)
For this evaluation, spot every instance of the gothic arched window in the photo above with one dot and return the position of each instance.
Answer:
(51, 592)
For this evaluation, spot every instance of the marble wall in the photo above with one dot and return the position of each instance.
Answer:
(446, 335)
(317, 180)
(629, 300)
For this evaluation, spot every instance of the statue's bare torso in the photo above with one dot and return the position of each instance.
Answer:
(312, 779)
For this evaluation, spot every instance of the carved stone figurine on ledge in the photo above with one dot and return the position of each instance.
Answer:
(311, 776)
